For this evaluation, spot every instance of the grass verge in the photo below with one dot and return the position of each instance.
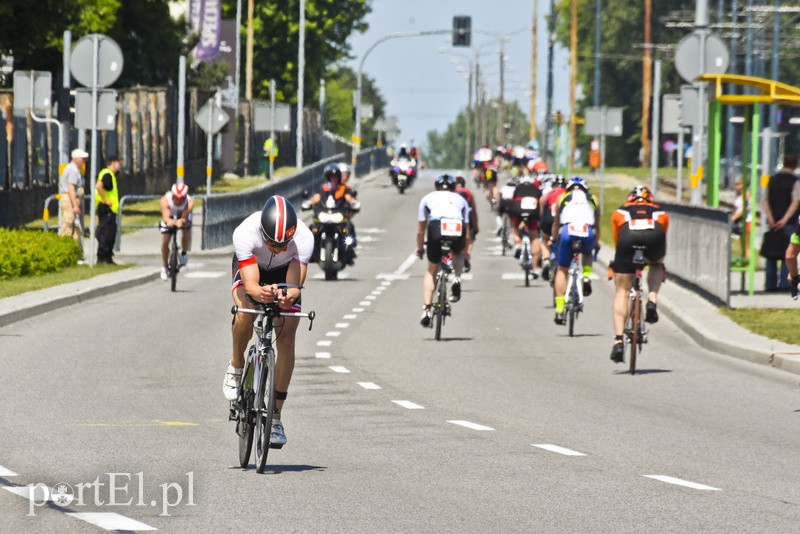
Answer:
(23, 284)
(774, 323)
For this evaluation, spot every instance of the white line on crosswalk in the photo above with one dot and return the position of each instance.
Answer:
(559, 450)
(111, 521)
(408, 405)
(368, 385)
(339, 369)
(471, 425)
(680, 482)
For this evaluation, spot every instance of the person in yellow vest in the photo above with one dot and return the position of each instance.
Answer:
(107, 207)
(270, 151)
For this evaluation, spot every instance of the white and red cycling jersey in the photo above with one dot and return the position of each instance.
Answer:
(251, 247)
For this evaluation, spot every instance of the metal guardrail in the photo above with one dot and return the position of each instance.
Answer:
(370, 160)
(699, 249)
(222, 213)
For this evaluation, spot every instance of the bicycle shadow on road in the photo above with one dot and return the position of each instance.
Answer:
(644, 372)
(278, 469)
(452, 339)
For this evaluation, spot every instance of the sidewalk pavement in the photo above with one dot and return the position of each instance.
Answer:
(712, 330)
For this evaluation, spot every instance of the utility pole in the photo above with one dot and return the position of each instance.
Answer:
(301, 73)
(551, 34)
(573, 75)
(501, 138)
(478, 107)
(773, 109)
(248, 85)
(647, 78)
(468, 142)
(534, 54)
(597, 29)
(729, 131)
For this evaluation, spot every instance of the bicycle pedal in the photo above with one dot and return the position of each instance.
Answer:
(233, 415)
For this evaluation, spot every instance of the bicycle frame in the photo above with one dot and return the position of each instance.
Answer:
(441, 305)
(635, 333)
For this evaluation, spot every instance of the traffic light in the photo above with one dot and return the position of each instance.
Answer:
(462, 30)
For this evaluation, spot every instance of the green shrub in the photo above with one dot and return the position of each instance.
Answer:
(30, 252)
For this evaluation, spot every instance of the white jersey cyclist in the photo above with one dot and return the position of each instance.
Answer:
(251, 247)
(483, 155)
(577, 208)
(175, 208)
(507, 191)
(443, 205)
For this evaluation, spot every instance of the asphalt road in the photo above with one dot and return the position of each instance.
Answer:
(505, 425)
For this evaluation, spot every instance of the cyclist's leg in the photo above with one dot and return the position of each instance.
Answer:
(655, 277)
(285, 344)
(563, 258)
(515, 233)
(433, 252)
(185, 235)
(165, 237)
(791, 256)
(623, 284)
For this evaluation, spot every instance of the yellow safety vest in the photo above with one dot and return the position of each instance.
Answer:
(113, 195)
(270, 148)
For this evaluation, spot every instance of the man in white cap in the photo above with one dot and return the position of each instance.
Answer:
(70, 187)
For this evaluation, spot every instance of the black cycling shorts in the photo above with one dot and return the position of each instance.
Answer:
(434, 247)
(655, 239)
(546, 224)
(273, 276)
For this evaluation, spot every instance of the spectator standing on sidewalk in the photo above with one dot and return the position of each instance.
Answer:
(741, 210)
(781, 204)
(270, 152)
(107, 207)
(70, 187)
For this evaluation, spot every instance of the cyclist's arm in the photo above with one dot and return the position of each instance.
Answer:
(294, 276)
(188, 209)
(315, 199)
(250, 280)
(165, 216)
(597, 227)
(556, 224)
(421, 227)
(617, 220)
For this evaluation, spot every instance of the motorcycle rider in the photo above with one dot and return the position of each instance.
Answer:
(334, 193)
(403, 160)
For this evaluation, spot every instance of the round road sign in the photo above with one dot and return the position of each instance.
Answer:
(687, 56)
(109, 60)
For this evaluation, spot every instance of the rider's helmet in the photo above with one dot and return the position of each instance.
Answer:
(533, 144)
(460, 180)
(445, 182)
(344, 168)
(576, 182)
(332, 170)
(560, 181)
(539, 167)
(179, 190)
(640, 193)
(278, 221)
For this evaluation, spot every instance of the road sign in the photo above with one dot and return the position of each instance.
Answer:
(106, 109)
(380, 124)
(367, 111)
(689, 106)
(687, 56)
(262, 117)
(32, 91)
(109, 60)
(671, 114)
(211, 118)
(596, 124)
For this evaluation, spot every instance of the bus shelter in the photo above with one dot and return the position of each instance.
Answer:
(763, 92)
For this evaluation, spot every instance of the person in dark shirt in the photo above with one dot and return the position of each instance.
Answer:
(781, 204)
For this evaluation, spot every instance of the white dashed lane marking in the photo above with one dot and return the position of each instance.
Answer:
(349, 316)
(339, 369)
(470, 425)
(341, 276)
(111, 521)
(358, 310)
(408, 405)
(324, 343)
(342, 325)
(680, 482)
(559, 450)
(333, 333)
(368, 385)
(323, 355)
(370, 297)
(365, 303)
(6, 472)
(386, 283)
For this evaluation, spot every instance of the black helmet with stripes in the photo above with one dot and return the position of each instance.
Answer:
(278, 220)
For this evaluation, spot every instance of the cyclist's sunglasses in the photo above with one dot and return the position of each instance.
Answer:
(272, 243)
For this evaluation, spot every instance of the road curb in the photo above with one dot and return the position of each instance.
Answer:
(27, 305)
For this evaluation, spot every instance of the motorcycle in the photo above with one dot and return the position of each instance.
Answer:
(334, 242)
(403, 173)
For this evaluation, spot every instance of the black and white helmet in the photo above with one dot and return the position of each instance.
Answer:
(278, 220)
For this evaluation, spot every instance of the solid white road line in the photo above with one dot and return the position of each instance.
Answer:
(342, 325)
(408, 405)
(349, 316)
(339, 369)
(388, 277)
(6, 472)
(556, 448)
(406, 265)
(324, 343)
(358, 310)
(680, 482)
(111, 521)
(368, 385)
(323, 355)
(203, 274)
(333, 333)
(468, 424)
(365, 303)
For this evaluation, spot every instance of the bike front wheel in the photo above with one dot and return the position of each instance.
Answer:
(265, 399)
(173, 263)
(245, 425)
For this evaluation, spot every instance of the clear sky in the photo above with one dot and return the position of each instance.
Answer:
(421, 85)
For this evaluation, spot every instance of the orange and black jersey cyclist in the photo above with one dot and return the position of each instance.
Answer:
(639, 222)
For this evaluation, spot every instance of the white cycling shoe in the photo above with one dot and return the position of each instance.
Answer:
(277, 436)
(164, 275)
(230, 386)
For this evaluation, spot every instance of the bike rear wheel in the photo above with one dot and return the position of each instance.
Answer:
(173, 262)
(504, 235)
(265, 400)
(635, 325)
(572, 313)
(244, 427)
(439, 307)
